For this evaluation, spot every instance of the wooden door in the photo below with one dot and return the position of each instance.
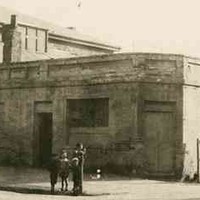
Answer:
(159, 141)
(43, 138)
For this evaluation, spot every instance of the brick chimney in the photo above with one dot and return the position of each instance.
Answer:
(11, 38)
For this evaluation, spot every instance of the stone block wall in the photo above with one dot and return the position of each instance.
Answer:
(126, 79)
(1, 50)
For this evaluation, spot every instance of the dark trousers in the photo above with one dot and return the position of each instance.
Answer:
(76, 187)
(53, 179)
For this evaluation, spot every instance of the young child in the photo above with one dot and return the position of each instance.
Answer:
(75, 168)
(53, 169)
(64, 170)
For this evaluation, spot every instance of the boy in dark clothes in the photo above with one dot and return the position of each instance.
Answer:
(79, 153)
(64, 170)
(75, 168)
(53, 169)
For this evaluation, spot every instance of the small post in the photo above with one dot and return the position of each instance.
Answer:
(81, 178)
(197, 160)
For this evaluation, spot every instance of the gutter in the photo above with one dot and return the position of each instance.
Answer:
(82, 42)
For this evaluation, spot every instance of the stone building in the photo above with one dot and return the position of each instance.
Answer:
(24, 38)
(136, 111)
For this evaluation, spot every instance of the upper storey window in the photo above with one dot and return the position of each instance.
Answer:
(26, 38)
(33, 39)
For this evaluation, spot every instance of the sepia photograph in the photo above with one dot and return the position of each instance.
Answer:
(99, 100)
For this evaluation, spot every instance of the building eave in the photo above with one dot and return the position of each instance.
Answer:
(32, 26)
(82, 42)
(100, 58)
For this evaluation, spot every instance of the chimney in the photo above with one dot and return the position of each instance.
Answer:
(11, 38)
(13, 21)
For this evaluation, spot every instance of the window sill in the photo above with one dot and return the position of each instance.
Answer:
(89, 130)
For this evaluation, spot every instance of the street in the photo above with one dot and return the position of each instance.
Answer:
(120, 190)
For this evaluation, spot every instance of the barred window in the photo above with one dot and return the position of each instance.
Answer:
(88, 112)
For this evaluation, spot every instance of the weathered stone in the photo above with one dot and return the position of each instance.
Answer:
(149, 108)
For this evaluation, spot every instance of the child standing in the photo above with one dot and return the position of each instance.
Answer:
(53, 169)
(64, 170)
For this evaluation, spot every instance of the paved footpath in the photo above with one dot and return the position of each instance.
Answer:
(33, 184)
(119, 190)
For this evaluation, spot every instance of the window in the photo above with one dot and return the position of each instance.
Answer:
(41, 40)
(36, 40)
(26, 39)
(88, 112)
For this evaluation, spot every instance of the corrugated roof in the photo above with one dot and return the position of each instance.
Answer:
(5, 14)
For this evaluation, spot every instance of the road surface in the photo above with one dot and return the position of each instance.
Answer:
(121, 190)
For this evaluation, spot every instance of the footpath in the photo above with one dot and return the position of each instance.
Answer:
(24, 180)
(37, 181)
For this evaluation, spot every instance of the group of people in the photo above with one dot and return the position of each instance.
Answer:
(61, 166)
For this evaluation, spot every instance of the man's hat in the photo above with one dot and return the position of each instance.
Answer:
(75, 159)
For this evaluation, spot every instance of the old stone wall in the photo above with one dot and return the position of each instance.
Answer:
(127, 80)
(191, 114)
(1, 50)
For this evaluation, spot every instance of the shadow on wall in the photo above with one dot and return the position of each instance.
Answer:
(126, 161)
(190, 168)
(13, 147)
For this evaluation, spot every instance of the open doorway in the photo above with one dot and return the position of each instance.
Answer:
(43, 138)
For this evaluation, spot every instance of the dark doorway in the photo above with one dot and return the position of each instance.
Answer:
(43, 143)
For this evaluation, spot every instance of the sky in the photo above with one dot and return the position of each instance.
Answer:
(166, 26)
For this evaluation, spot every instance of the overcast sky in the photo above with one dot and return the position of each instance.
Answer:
(138, 25)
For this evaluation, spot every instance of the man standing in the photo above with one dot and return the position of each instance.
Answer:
(76, 176)
(79, 153)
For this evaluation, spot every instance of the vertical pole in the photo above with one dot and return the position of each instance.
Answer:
(198, 160)
(81, 178)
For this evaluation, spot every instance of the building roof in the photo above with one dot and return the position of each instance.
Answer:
(55, 31)
(109, 57)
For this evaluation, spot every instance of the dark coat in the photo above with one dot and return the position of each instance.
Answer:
(53, 168)
(64, 168)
